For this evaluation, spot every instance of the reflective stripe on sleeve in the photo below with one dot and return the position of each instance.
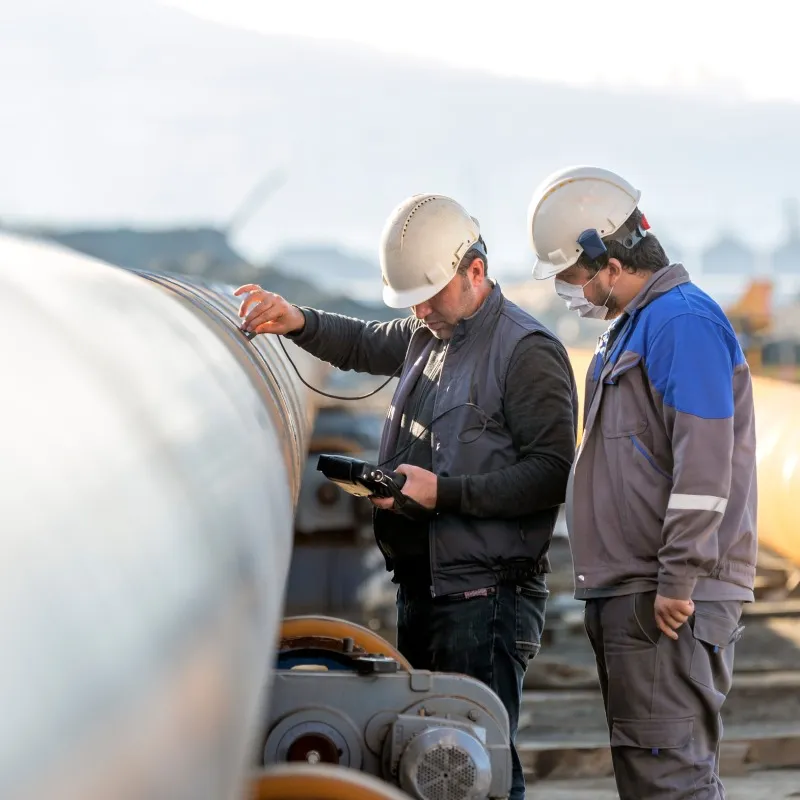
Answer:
(697, 502)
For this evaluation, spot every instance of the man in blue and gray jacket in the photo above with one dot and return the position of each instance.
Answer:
(483, 424)
(661, 503)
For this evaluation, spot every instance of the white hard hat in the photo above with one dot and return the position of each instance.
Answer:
(572, 202)
(423, 242)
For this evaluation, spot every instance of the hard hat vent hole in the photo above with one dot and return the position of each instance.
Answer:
(414, 211)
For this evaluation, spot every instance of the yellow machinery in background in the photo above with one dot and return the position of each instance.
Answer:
(768, 354)
(751, 318)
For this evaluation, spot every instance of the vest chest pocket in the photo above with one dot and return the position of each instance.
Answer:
(622, 410)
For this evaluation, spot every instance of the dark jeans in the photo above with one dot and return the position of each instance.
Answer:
(491, 638)
(663, 697)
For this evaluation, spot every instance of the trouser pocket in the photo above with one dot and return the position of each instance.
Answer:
(712, 657)
(530, 603)
(654, 735)
(655, 758)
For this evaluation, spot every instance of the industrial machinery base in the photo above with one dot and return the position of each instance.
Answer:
(343, 697)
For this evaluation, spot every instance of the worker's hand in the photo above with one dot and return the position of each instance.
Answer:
(265, 312)
(420, 486)
(671, 614)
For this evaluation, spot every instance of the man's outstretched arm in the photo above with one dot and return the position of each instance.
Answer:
(377, 348)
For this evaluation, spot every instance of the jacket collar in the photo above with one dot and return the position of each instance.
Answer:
(483, 318)
(659, 283)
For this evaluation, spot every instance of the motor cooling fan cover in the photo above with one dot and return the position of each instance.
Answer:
(445, 764)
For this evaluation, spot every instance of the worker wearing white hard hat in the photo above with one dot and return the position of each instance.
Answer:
(424, 241)
(661, 505)
(575, 216)
(482, 424)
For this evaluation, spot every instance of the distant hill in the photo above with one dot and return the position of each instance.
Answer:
(302, 291)
(132, 111)
(206, 253)
(192, 250)
(333, 269)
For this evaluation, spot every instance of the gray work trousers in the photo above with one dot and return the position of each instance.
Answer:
(663, 697)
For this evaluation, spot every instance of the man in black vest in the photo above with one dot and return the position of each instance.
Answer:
(483, 424)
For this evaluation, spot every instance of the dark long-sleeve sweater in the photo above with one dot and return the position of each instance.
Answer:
(538, 407)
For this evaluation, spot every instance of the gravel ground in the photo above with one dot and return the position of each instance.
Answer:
(768, 785)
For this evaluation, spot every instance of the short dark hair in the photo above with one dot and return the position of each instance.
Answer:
(647, 255)
(472, 254)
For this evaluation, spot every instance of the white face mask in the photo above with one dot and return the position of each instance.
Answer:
(576, 299)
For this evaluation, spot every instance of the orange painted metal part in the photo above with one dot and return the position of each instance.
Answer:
(336, 630)
(320, 782)
(777, 406)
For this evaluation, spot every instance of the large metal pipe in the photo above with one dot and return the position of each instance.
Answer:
(151, 461)
(778, 454)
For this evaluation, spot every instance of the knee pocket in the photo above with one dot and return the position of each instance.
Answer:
(650, 755)
(652, 734)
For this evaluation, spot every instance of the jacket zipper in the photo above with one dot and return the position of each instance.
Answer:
(432, 523)
(622, 335)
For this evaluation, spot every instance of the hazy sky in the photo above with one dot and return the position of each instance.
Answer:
(737, 49)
